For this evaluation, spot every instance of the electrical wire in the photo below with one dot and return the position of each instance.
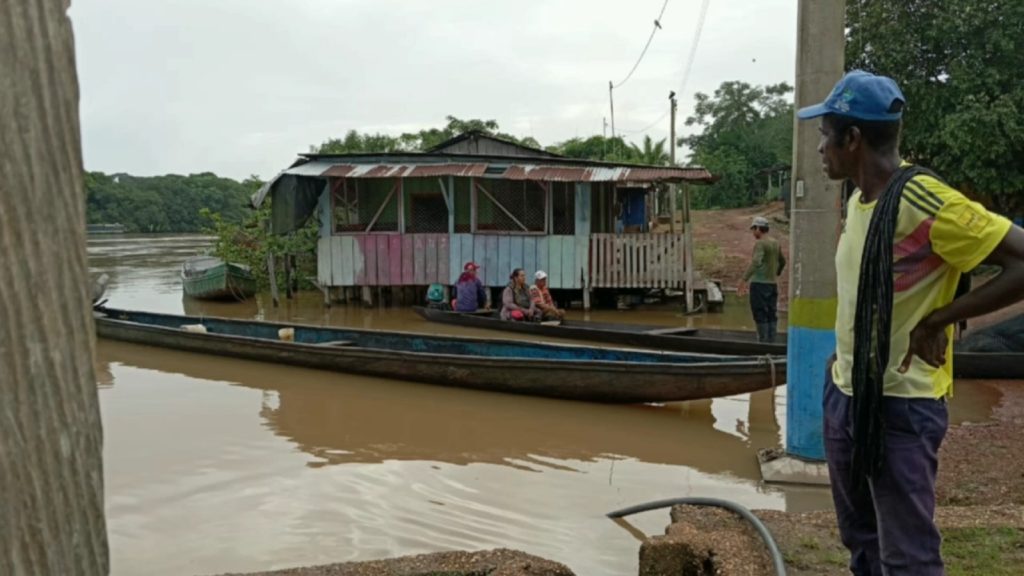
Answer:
(701, 18)
(693, 47)
(657, 26)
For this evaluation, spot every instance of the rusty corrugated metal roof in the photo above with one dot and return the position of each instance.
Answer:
(508, 168)
(504, 170)
(593, 174)
(402, 170)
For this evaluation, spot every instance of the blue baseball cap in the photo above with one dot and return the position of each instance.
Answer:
(860, 95)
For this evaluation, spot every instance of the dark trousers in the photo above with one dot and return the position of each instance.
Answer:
(888, 523)
(764, 300)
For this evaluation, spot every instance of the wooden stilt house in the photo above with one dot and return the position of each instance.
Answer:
(413, 219)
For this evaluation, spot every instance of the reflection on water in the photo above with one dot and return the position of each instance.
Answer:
(215, 464)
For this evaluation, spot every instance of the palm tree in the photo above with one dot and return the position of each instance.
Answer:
(652, 153)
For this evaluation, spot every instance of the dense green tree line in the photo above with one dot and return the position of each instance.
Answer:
(355, 142)
(170, 203)
(958, 62)
(746, 131)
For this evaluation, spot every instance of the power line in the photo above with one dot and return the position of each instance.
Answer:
(657, 26)
(646, 128)
(693, 48)
(689, 65)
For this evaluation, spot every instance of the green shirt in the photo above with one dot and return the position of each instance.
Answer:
(767, 262)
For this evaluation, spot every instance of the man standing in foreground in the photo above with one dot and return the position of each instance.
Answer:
(907, 239)
(765, 267)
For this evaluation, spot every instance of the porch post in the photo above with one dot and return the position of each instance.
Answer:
(688, 247)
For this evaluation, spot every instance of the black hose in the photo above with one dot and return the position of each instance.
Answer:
(762, 530)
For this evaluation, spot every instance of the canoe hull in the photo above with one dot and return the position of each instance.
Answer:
(700, 341)
(596, 381)
(223, 282)
(967, 365)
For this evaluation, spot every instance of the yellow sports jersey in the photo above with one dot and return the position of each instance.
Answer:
(939, 235)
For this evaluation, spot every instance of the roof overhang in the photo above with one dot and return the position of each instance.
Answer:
(502, 168)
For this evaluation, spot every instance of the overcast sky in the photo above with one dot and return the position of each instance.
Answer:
(238, 87)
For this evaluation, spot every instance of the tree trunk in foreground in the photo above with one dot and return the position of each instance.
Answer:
(51, 472)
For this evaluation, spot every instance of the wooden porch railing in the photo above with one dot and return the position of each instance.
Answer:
(637, 261)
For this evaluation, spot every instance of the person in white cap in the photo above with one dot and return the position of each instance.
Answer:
(765, 267)
(542, 298)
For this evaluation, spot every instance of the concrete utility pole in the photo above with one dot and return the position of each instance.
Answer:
(814, 230)
(611, 105)
(51, 472)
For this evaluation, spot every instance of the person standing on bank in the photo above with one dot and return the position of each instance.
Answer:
(907, 239)
(765, 267)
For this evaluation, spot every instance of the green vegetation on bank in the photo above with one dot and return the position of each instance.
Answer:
(982, 551)
(168, 203)
(958, 62)
(249, 242)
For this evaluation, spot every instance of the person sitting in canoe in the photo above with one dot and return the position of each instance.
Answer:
(542, 298)
(436, 298)
(516, 303)
(470, 294)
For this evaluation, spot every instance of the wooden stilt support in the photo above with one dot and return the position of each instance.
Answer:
(367, 296)
(274, 296)
(288, 271)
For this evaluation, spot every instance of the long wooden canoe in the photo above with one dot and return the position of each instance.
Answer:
(211, 278)
(966, 364)
(696, 340)
(587, 373)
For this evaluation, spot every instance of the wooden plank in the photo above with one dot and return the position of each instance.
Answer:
(431, 270)
(677, 261)
(367, 247)
(472, 205)
(582, 268)
(504, 254)
(609, 258)
(652, 260)
(454, 256)
(597, 261)
(662, 251)
(419, 259)
(325, 212)
(451, 207)
(582, 212)
(516, 258)
(383, 261)
(554, 268)
(323, 261)
(568, 262)
(348, 261)
(487, 253)
(395, 261)
(408, 265)
(529, 255)
(465, 255)
(541, 263)
(443, 254)
(627, 247)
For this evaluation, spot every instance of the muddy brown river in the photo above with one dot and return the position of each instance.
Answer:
(215, 464)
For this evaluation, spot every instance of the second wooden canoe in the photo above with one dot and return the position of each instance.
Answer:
(587, 373)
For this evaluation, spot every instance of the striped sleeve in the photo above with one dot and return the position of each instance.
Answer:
(964, 232)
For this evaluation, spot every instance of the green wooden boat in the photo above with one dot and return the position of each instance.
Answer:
(211, 278)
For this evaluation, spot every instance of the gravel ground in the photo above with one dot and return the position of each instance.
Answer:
(500, 562)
